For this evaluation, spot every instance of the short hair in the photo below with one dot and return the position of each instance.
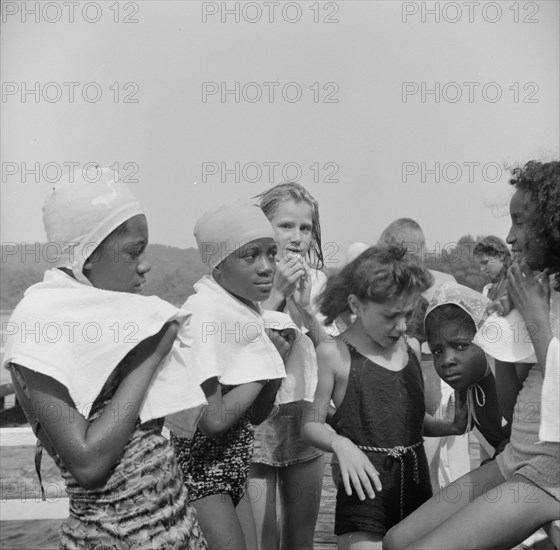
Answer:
(390, 235)
(494, 247)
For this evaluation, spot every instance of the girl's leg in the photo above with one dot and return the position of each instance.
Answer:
(442, 506)
(300, 497)
(261, 494)
(502, 516)
(245, 516)
(360, 540)
(219, 523)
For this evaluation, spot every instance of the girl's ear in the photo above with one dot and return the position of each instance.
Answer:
(354, 304)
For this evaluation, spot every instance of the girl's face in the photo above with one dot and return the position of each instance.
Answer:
(520, 236)
(119, 263)
(491, 266)
(292, 223)
(385, 322)
(457, 360)
(248, 272)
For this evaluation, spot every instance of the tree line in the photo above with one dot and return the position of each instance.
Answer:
(174, 270)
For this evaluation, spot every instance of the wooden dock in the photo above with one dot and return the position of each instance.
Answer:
(325, 538)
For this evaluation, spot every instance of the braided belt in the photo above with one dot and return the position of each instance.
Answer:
(398, 453)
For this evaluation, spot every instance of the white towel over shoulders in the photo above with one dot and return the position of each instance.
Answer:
(77, 334)
(226, 339)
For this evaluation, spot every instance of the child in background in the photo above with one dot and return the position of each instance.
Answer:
(454, 314)
(376, 384)
(494, 258)
(281, 460)
(501, 503)
(109, 387)
(239, 363)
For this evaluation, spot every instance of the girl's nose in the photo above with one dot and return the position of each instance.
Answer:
(267, 266)
(144, 267)
(448, 358)
(510, 239)
(401, 325)
(296, 236)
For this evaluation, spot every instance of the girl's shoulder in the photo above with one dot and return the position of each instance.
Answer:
(333, 353)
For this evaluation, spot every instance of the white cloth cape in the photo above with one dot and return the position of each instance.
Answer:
(77, 334)
(226, 339)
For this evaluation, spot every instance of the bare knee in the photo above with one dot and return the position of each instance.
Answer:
(394, 540)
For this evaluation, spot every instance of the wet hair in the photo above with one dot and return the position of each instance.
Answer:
(540, 183)
(448, 315)
(378, 274)
(290, 191)
(495, 248)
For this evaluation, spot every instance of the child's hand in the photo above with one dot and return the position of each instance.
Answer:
(289, 271)
(302, 293)
(283, 343)
(502, 304)
(461, 416)
(356, 469)
(530, 298)
(154, 349)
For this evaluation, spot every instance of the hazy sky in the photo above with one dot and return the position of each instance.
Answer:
(187, 95)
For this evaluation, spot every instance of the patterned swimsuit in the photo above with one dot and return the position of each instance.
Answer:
(143, 505)
(219, 465)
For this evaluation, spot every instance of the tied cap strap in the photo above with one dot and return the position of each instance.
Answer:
(399, 453)
(38, 457)
(474, 393)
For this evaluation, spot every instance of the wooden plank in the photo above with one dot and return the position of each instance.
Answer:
(23, 509)
(324, 537)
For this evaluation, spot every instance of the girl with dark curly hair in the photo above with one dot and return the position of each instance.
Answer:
(375, 381)
(498, 505)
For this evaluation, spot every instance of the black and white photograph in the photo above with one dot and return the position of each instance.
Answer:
(280, 275)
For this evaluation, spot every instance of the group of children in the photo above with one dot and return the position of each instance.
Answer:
(254, 404)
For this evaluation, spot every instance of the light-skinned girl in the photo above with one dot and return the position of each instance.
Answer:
(494, 258)
(376, 384)
(283, 464)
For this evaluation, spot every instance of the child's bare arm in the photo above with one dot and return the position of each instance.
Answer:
(224, 411)
(91, 448)
(532, 300)
(434, 427)
(355, 468)
(313, 430)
